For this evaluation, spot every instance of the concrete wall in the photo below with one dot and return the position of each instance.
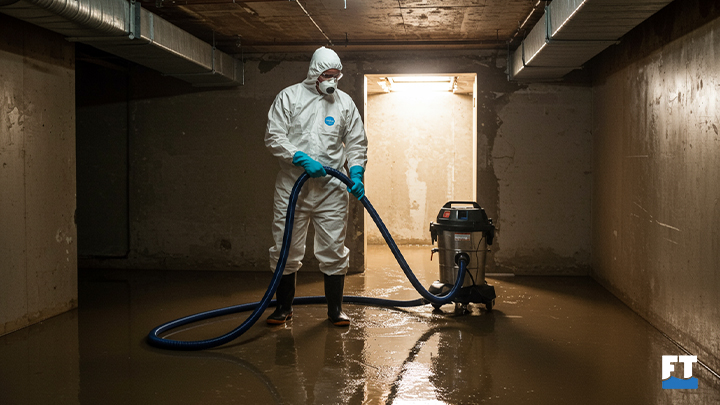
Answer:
(201, 180)
(656, 209)
(38, 255)
(542, 158)
(420, 154)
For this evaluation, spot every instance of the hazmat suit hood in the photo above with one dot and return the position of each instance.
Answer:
(322, 60)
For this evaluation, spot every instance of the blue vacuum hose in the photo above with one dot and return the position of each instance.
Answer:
(258, 308)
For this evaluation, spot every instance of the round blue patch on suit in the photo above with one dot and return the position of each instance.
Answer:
(330, 121)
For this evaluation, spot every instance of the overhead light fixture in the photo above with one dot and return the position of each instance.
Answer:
(418, 83)
(421, 79)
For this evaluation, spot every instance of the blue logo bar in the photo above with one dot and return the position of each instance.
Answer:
(674, 383)
(330, 121)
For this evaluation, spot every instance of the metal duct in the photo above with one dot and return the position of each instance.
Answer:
(125, 29)
(573, 31)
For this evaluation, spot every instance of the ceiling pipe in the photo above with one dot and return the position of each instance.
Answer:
(314, 23)
(127, 30)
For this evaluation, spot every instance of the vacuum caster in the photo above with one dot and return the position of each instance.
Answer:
(437, 288)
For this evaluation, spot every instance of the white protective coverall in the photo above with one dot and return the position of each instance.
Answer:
(328, 128)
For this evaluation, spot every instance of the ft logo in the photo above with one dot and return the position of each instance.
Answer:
(670, 382)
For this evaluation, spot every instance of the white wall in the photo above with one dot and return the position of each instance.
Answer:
(420, 156)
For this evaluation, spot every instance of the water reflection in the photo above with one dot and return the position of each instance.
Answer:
(561, 340)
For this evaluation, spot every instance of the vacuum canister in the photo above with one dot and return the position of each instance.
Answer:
(462, 227)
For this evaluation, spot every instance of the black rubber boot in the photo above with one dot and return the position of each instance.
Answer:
(334, 286)
(285, 294)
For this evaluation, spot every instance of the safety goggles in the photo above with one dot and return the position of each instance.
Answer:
(328, 76)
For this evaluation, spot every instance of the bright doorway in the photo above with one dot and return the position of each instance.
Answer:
(422, 150)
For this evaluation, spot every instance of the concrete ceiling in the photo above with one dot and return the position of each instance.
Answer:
(286, 26)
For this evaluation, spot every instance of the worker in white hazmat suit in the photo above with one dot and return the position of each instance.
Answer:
(310, 125)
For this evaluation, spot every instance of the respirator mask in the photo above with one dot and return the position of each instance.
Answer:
(328, 86)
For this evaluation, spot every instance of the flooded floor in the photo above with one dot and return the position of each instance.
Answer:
(548, 340)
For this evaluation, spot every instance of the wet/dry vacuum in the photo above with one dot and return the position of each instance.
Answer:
(463, 229)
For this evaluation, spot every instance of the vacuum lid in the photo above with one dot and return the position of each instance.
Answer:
(463, 216)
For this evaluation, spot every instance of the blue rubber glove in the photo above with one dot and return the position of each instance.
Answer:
(311, 166)
(356, 175)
